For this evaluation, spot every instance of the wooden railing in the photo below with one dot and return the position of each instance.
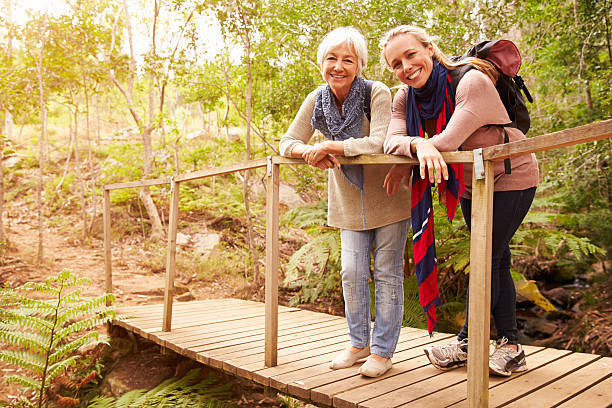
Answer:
(480, 246)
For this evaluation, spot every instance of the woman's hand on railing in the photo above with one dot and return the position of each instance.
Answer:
(394, 177)
(318, 156)
(430, 160)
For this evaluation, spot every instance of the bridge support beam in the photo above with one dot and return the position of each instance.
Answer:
(171, 257)
(272, 225)
(479, 313)
(108, 269)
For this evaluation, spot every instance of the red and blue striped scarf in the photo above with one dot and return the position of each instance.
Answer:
(435, 100)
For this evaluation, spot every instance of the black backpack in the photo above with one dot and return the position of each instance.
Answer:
(504, 55)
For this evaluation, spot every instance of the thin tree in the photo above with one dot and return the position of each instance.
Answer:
(43, 130)
(145, 130)
(585, 82)
(8, 123)
(232, 17)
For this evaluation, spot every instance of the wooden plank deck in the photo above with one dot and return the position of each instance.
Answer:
(229, 334)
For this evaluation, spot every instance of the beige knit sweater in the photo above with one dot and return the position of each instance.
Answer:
(345, 208)
(477, 105)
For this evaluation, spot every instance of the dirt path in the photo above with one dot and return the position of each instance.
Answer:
(133, 282)
(83, 260)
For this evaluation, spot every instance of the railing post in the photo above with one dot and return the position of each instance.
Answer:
(271, 306)
(480, 283)
(171, 257)
(108, 269)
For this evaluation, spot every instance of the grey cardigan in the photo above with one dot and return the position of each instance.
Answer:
(345, 209)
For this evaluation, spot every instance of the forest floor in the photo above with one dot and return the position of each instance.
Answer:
(134, 282)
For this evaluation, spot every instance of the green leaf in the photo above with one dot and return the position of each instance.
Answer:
(24, 381)
(60, 366)
(30, 361)
(31, 341)
(74, 345)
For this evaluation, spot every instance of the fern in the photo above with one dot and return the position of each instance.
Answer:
(12, 335)
(553, 244)
(48, 333)
(307, 216)
(188, 391)
(413, 312)
(314, 267)
(23, 359)
(26, 382)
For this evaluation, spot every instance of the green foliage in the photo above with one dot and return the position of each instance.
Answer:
(306, 217)
(581, 182)
(413, 312)
(314, 268)
(58, 196)
(567, 50)
(44, 335)
(535, 237)
(452, 248)
(451, 316)
(189, 391)
(122, 163)
(201, 196)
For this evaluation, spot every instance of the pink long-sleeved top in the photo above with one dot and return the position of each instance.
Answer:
(477, 105)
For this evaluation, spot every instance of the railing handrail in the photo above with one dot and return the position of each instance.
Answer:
(567, 137)
(480, 245)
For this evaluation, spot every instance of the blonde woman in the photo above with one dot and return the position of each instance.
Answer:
(466, 118)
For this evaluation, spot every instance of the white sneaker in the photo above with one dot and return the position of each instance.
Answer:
(347, 358)
(505, 360)
(448, 356)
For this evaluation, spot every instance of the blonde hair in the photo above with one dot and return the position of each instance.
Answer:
(349, 36)
(421, 36)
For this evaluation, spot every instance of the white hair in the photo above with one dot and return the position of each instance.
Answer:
(349, 36)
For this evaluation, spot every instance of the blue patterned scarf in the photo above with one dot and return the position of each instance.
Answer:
(339, 127)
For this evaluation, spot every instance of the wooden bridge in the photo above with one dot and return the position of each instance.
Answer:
(289, 349)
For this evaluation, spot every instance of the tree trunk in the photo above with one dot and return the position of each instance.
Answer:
(45, 138)
(8, 126)
(607, 32)
(66, 165)
(92, 171)
(245, 190)
(157, 230)
(587, 90)
(96, 99)
(77, 168)
(144, 194)
(41, 160)
(3, 237)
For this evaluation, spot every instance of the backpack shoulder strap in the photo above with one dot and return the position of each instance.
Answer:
(368, 99)
(458, 73)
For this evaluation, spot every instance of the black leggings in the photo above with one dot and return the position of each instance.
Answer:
(509, 210)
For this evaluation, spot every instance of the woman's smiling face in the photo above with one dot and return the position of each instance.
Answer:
(410, 60)
(340, 66)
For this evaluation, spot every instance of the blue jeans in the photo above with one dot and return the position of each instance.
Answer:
(389, 242)
(509, 210)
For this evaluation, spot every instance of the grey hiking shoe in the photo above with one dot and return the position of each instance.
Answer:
(505, 361)
(448, 356)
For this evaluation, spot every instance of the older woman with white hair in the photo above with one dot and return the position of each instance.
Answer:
(353, 115)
